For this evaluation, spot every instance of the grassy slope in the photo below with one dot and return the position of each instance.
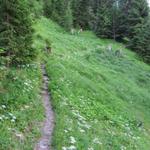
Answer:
(20, 120)
(101, 101)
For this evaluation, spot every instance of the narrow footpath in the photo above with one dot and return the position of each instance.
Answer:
(45, 141)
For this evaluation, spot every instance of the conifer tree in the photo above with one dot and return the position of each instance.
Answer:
(36, 8)
(67, 21)
(83, 13)
(48, 8)
(138, 28)
(103, 15)
(135, 12)
(59, 11)
(116, 19)
(140, 41)
(16, 31)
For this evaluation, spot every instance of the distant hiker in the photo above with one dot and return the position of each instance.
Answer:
(119, 53)
(72, 31)
(109, 48)
(80, 30)
(48, 48)
(140, 124)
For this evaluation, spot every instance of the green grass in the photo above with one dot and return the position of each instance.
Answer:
(21, 111)
(101, 101)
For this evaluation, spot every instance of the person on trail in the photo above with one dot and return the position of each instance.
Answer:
(81, 30)
(48, 48)
(72, 31)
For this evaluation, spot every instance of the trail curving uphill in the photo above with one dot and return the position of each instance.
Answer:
(45, 141)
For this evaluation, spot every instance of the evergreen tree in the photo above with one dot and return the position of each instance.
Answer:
(135, 12)
(36, 7)
(103, 15)
(140, 42)
(59, 11)
(137, 27)
(83, 14)
(116, 19)
(16, 31)
(67, 19)
(119, 19)
(48, 8)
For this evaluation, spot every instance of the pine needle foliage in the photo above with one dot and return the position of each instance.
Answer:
(16, 31)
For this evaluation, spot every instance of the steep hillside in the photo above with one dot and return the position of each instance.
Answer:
(100, 96)
(21, 109)
(101, 99)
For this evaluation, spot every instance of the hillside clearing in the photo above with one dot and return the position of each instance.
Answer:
(101, 101)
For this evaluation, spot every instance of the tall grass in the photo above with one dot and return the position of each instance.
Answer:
(101, 101)
(21, 111)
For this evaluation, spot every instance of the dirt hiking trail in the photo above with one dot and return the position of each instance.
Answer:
(44, 142)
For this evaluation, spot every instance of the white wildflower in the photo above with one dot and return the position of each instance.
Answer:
(6, 117)
(72, 140)
(28, 65)
(70, 129)
(123, 148)
(20, 136)
(87, 126)
(134, 138)
(137, 137)
(64, 148)
(72, 147)
(10, 114)
(1, 118)
(66, 131)
(3, 106)
(95, 121)
(12, 120)
(125, 134)
(14, 117)
(26, 83)
(128, 128)
(26, 106)
(81, 130)
(111, 122)
(126, 124)
(97, 141)
(64, 103)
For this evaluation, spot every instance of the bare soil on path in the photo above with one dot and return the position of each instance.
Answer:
(44, 142)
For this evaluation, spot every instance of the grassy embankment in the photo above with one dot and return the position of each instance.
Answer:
(21, 110)
(101, 101)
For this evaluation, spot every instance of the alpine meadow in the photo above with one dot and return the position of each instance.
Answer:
(74, 75)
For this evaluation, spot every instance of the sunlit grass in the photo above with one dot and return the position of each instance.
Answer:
(21, 111)
(101, 101)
